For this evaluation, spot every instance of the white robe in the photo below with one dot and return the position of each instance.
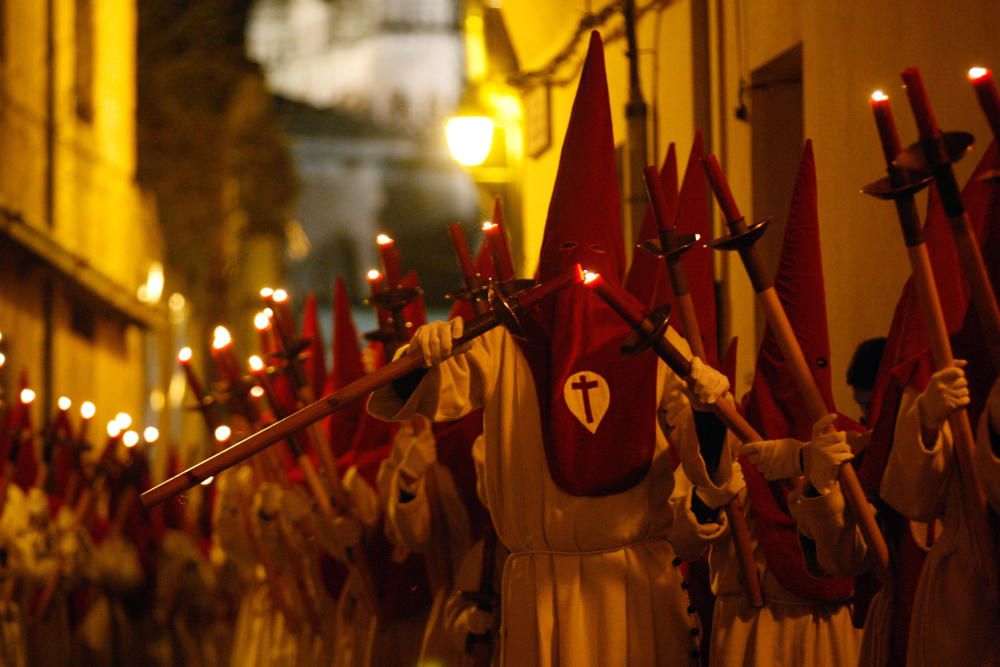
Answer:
(788, 630)
(953, 622)
(590, 580)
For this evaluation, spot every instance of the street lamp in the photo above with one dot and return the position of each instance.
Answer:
(469, 139)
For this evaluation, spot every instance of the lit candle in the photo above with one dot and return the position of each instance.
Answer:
(223, 356)
(887, 134)
(20, 422)
(989, 100)
(390, 259)
(282, 316)
(262, 323)
(376, 283)
(184, 359)
(87, 412)
(496, 239)
(920, 103)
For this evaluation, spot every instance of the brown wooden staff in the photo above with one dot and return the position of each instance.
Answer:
(900, 188)
(478, 650)
(671, 249)
(742, 238)
(502, 312)
(934, 154)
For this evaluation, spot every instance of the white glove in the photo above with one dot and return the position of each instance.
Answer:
(775, 459)
(434, 340)
(825, 453)
(720, 495)
(705, 385)
(420, 454)
(479, 622)
(947, 391)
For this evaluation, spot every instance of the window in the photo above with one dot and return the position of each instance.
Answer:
(83, 84)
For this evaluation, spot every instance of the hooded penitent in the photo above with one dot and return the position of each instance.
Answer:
(315, 361)
(647, 278)
(774, 406)
(598, 408)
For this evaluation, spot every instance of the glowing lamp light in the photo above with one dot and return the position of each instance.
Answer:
(221, 337)
(266, 292)
(123, 420)
(469, 139)
(257, 391)
(64, 403)
(88, 410)
(151, 434)
(222, 433)
(256, 363)
(184, 355)
(280, 296)
(976, 73)
(208, 480)
(130, 439)
(879, 96)
(114, 430)
(261, 321)
(27, 396)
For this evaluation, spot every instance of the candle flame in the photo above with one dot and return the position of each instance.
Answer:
(27, 396)
(184, 355)
(221, 337)
(266, 292)
(590, 276)
(114, 430)
(3, 359)
(151, 434)
(123, 419)
(208, 480)
(976, 73)
(374, 275)
(280, 296)
(384, 239)
(257, 391)
(130, 439)
(256, 363)
(88, 410)
(222, 433)
(879, 96)
(64, 403)
(261, 321)
(488, 226)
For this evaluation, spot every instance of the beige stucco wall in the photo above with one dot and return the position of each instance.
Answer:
(849, 48)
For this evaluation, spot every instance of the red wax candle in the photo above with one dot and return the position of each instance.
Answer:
(661, 209)
(223, 356)
(282, 315)
(989, 100)
(184, 359)
(87, 411)
(390, 259)
(627, 310)
(496, 238)
(717, 180)
(262, 323)
(465, 263)
(575, 275)
(376, 283)
(887, 134)
(920, 103)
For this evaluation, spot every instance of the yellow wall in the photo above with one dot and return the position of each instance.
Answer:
(849, 48)
(98, 214)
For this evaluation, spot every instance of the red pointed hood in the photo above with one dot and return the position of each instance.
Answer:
(589, 395)
(347, 367)
(315, 362)
(26, 464)
(647, 277)
(584, 221)
(773, 405)
(63, 456)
